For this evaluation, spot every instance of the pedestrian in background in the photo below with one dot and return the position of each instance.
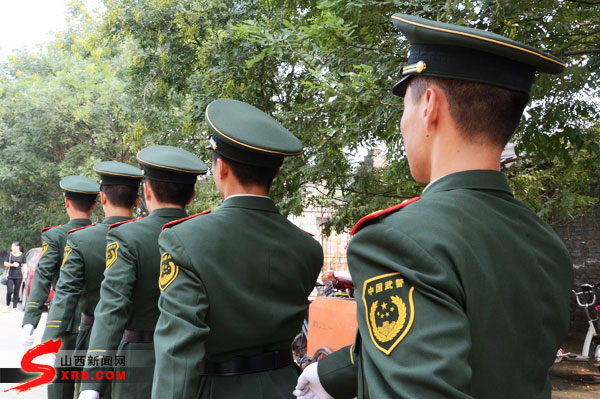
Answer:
(17, 271)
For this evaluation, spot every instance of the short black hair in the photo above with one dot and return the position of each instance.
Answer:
(171, 193)
(120, 195)
(481, 111)
(249, 174)
(82, 205)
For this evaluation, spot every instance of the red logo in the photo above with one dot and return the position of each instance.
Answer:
(27, 364)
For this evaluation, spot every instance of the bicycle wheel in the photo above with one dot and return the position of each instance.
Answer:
(320, 354)
(595, 352)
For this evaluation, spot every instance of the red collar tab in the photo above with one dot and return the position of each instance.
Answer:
(123, 222)
(371, 216)
(174, 222)
(48, 228)
(308, 232)
(80, 228)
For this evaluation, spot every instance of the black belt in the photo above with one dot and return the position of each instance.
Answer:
(144, 337)
(246, 365)
(87, 319)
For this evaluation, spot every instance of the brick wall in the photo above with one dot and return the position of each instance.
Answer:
(582, 237)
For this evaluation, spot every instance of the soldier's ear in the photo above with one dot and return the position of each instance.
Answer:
(103, 198)
(148, 194)
(223, 168)
(433, 98)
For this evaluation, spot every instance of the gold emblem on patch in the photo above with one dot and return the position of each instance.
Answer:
(68, 250)
(168, 271)
(389, 310)
(111, 254)
(44, 248)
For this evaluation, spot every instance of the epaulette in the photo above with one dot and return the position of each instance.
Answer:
(174, 222)
(80, 228)
(308, 232)
(112, 226)
(365, 221)
(48, 228)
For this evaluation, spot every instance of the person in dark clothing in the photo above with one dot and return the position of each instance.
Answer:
(17, 271)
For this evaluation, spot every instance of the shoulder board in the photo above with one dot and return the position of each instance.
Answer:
(112, 226)
(80, 228)
(371, 216)
(174, 222)
(48, 228)
(308, 232)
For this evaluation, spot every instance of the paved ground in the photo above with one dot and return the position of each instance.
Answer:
(575, 380)
(11, 349)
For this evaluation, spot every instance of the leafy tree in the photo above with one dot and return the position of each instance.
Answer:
(143, 72)
(62, 111)
(324, 69)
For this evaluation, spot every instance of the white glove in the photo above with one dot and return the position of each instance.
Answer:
(309, 386)
(89, 394)
(27, 334)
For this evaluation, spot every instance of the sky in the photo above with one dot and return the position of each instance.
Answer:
(25, 23)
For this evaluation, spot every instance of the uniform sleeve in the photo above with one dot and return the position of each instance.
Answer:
(428, 356)
(338, 373)
(181, 331)
(61, 315)
(44, 273)
(113, 310)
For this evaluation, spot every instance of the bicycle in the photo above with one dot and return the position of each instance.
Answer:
(590, 351)
(332, 286)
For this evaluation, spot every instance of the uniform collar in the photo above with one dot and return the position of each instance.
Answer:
(177, 213)
(250, 201)
(115, 219)
(246, 195)
(470, 179)
(78, 223)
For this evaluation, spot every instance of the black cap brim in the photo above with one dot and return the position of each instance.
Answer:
(399, 88)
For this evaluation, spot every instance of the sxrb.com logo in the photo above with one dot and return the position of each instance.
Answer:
(27, 364)
(49, 372)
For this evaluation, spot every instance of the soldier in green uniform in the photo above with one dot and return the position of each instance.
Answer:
(126, 315)
(235, 281)
(84, 259)
(80, 199)
(463, 292)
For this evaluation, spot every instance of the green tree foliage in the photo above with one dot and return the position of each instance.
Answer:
(143, 72)
(324, 68)
(61, 111)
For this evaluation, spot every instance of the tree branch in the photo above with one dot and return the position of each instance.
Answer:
(579, 52)
(591, 3)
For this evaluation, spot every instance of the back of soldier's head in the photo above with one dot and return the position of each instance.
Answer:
(119, 195)
(483, 113)
(171, 173)
(251, 142)
(485, 77)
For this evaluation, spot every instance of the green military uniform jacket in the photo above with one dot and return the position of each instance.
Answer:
(47, 271)
(128, 300)
(236, 283)
(81, 274)
(462, 294)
